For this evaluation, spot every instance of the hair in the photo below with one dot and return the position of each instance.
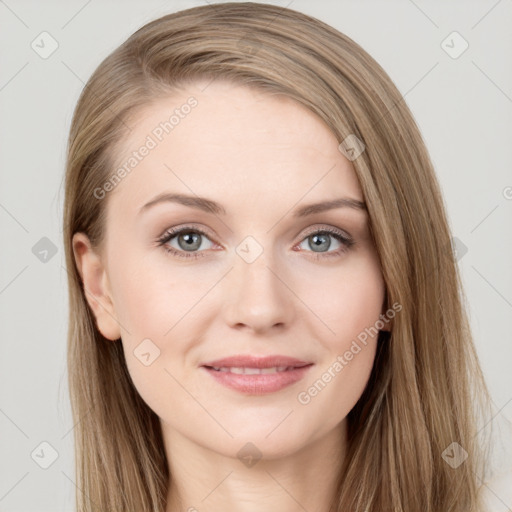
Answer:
(426, 389)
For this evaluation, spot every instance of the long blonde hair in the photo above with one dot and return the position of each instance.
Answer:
(426, 389)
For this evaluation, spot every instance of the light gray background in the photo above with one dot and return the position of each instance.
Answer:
(463, 107)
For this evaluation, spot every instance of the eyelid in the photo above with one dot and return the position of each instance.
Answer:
(204, 231)
(173, 232)
(325, 228)
(346, 239)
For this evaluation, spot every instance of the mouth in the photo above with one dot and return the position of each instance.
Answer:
(257, 375)
(240, 370)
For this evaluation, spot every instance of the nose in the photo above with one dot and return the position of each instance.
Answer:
(258, 299)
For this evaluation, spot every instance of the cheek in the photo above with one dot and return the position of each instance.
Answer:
(149, 309)
(347, 301)
(155, 307)
(149, 298)
(352, 307)
(336, 388)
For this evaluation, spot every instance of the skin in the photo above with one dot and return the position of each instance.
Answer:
(261, 157)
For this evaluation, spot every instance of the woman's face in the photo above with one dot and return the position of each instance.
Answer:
(253, 273)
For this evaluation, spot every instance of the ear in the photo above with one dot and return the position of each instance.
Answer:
(96, 286)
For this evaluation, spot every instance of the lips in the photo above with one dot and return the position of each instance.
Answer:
(257, 375)
(241, 361)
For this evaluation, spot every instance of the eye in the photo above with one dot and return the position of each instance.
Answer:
(320, 242)
(188, 242)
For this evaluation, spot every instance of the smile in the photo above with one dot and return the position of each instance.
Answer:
(253, 371)
(254, 375)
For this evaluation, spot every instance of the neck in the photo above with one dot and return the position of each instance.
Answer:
(202, 479)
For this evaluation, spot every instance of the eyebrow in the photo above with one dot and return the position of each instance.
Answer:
(209, 206)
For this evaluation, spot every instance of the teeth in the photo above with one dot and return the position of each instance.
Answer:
(253, 371)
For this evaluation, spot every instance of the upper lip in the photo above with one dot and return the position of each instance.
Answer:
(249, 361)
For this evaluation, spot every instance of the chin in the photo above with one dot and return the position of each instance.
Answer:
(269, 441)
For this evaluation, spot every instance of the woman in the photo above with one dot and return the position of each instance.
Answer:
(265, 310)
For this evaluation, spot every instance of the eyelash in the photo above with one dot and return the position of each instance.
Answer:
(346, 242)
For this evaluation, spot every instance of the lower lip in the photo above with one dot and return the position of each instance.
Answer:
(258, 384)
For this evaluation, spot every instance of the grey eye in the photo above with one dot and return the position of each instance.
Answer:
(321, 242)
(189, 241)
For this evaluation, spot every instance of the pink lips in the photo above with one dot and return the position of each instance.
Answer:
(257, 375)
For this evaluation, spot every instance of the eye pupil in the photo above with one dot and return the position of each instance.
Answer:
(321, 241)
(189, 241)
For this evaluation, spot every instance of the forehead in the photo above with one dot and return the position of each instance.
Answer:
(214, 138)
